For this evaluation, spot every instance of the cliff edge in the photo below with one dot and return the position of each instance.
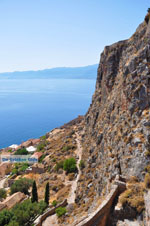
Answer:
(116, 140)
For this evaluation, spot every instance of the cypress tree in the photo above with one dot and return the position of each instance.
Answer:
(34, 193)
(47, 193)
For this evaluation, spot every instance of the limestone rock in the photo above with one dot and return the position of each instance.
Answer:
(116, 137)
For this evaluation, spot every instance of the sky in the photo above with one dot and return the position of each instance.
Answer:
(40, 34)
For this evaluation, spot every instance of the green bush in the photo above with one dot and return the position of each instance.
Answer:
(19, 167)
(82, 164)
(22, 151)
(14, 171)
(54, 203)
(21, 185)
(60, 211)
(43, 137)
(2, 193)
(10, 150)
(70, 165)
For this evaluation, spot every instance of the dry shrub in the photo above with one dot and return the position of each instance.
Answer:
(147, 180)
(133, 196)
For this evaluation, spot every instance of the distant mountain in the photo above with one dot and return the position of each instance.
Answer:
(87, 72)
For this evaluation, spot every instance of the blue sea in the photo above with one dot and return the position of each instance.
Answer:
(30, 108)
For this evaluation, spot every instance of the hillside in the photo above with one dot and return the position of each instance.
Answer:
(117, 127)
(87, 72)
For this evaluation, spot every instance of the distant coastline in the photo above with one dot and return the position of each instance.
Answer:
(87, 72)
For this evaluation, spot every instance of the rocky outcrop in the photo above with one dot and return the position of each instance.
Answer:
(117, 130)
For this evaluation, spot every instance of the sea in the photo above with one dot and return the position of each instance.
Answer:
(29, 108)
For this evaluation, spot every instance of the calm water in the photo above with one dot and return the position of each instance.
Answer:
(30, 108)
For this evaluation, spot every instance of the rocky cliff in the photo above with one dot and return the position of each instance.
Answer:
(117, 124)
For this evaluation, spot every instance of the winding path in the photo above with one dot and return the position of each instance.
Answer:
(72, 194)
(52, 220)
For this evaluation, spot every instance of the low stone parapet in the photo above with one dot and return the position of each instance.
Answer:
(101, 215)
(49, 212)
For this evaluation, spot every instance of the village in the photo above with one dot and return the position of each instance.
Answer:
(7, 177)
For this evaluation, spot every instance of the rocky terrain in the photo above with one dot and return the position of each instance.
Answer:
(116, 139)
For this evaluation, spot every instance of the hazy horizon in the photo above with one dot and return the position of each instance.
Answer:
(36, 70)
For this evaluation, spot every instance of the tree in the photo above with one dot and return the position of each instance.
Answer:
(148, 10)
(21, 185)
(2, 193)
(5, 217)
(47, 193)
(22, 214)
(34, 193)
(13, 223)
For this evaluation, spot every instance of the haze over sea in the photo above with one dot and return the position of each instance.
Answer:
(31, 107)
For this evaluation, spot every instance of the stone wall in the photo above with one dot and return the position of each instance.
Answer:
(39, 220)
(100, 217)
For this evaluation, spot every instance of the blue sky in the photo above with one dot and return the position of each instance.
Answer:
(39, 34)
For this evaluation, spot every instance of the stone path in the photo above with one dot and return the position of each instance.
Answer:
(52, 220)
(72, 194)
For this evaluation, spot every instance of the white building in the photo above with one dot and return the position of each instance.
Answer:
(13, 146)
(31, 149)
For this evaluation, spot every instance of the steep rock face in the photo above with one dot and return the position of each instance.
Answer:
(117, 131)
